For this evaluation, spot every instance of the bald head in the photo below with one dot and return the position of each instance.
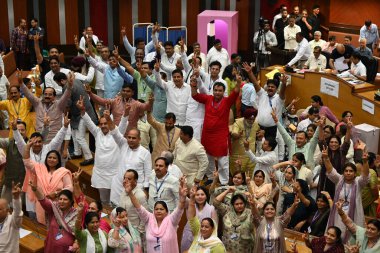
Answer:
(340, 48)
(4, 209)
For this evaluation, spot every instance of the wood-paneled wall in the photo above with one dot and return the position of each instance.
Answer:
(336, 13)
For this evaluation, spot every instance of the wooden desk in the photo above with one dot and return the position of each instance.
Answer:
(350, 96)
(85, 177)
(293, 236)
(34, 242)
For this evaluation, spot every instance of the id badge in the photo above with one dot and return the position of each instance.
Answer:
(58, 236)
(346, 206)
(234, 236)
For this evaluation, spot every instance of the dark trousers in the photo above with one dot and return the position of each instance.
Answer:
(20, 60)
(269, 131)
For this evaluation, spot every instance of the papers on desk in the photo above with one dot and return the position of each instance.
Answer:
(24, 232)
(340, 65)
(270, 75)
(354, 81)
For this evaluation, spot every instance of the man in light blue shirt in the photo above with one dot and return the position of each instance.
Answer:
(114, 75)
(160, 101)
(370, 33)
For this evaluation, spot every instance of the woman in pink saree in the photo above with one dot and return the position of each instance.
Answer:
(51, 177)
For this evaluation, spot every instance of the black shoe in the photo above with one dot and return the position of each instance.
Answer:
(72, 156)
(87, 162)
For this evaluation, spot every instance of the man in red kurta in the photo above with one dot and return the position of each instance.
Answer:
(215, 133)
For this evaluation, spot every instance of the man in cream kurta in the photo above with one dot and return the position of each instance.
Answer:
(167, 134)
(190, 156)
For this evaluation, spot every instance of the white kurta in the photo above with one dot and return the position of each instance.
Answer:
(221, 56)
(138, 159)
(106, 156)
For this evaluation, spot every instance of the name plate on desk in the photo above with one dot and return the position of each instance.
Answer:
(368, 106)
(330, 87)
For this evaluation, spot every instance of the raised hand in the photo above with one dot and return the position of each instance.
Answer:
(247, 177)
(182, 187)
(156, 28)
(360, 145)
(157, 65)
(182, 44)
(106, 112)
(16, 190)
(284, 79)
(247, 67)
(339, 204)
(19, 77)
(127, 109)
(123, 31)
(305, 236)
(365, 157)
(128, 188)
(33, 181)
(46, 120)
(193, 190)
(321, 122)
(327, 195)
(325, 152)
(353, 248)
(350, 125)
(66, 120)
(88, 89)
(115, 52)
(87, 53)
(246, 145)
(36, 37)
(295, 100)
(231, 189)
(70, 80)
(80, 104)
(14, 123)
(31, 142)
(76, 175)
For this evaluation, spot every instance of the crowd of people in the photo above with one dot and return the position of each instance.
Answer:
(177, 135)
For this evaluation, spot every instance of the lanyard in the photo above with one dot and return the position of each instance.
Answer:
(188, 75)
(346, 194)
(211, 84)
(163, 181)
(269, 228)
(168, 135)
(14, 107)
(1, 227)
(316, 216)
